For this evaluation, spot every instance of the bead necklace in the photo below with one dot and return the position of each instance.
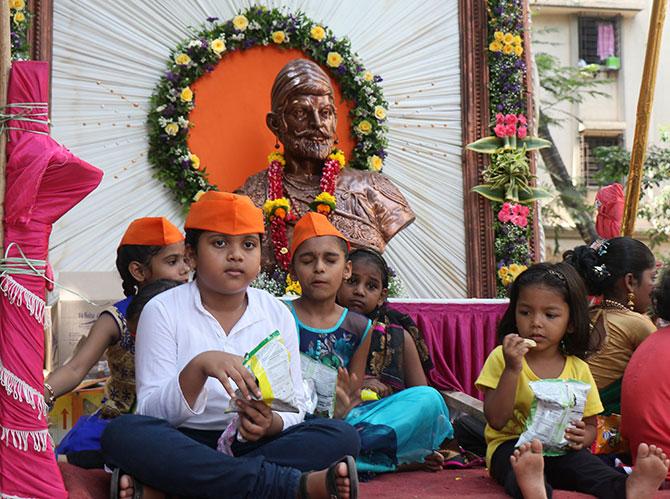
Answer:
(615, 304)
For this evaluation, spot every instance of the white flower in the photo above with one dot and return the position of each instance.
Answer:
(160, 109)
(183, 122)
(254, 25)
(194, 43)
(162, 121)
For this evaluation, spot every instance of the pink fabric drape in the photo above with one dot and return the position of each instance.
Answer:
(605, 40)
(43, 181)
(610, 205)
(459, 336)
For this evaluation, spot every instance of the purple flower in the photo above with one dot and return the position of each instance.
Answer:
(382, 153)
(212, 19)
(180, 185)
(186, 164)
(341, 69)
(209, 68)
(378, 78)
(170, 76)
(169, 110)
(203, 43)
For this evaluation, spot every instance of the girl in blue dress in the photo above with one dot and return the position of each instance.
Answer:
(401, 430)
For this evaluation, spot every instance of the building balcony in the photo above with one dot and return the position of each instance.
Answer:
(606, 7)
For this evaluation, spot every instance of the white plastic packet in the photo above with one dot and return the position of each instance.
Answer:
(325, 384)
(269, 363)
(557, 403)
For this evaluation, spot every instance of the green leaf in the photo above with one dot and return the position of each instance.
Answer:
(486, 145)
(489, 192)
(533, 194)
(534, 143)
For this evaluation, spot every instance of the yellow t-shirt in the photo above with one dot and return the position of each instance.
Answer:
(575, 368)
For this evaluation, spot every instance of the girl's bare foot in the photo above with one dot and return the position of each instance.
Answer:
(528, 465)
(127, 489)
(432, 462)
(651, 468)
(316, 483)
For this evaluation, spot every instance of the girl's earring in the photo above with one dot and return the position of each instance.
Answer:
(276, 142)
(631, 301)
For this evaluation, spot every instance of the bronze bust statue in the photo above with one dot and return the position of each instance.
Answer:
(370, 209)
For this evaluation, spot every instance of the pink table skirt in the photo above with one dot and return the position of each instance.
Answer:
(460, 335)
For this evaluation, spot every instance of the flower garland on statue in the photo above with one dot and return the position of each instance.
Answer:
(277, 208)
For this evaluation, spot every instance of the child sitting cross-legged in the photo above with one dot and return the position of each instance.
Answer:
(548, 305)
(392, 432)
(190, 344)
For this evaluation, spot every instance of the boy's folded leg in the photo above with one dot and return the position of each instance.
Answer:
(320, 443)
(162, 457)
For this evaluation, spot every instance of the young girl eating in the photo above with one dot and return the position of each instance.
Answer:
(411, 414)
(151, 249)
(191, 343)
(548, 306)
(336, 336)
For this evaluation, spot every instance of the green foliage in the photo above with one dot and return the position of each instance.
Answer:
(20, 19)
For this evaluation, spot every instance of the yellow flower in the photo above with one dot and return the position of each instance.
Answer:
(278, 37)
(503, 272)
(17, 5)
(172, 129)
(518, 50)
(276, 207)
(338, 156)
(19, 17)
(517, 40)
(334, 59)
(182, 59)
(240, 22)
(292, 287)
(375, 163)
(508, 49)
(195, 161)
(217, 46)
(368, 76)
(317, 33)
(495, 46)
(198, 195)
(186, 94)
(515, 269)
(499, 36)
(508, 38)
(276, 156)
(365, 127)
(325, 197)
(380, 113)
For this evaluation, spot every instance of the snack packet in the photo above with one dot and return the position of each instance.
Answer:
(269, 363)
(557, 403)
(325, 384)
(608, 436)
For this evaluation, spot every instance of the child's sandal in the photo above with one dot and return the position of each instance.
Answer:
(331, 479)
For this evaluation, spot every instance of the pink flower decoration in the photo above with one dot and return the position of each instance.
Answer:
(519, 216)
(522, 132)
(500, 130)
(510, 119)
(522, 119)
(510, 130)
(500, 118)
(505, 213)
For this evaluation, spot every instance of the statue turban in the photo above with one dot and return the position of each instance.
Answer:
(299, 75)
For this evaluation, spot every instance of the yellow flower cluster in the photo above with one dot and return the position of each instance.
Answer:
(195, 161)
(325, 203)
(334, 59)
(338, 156)
(365, 127)
(509, 274)
(217, 46)
(380, 113)
(19, 17)
(276, 156)
(507, 43)
(375, 163)
(292, 287)
(172, 129)
(278, 37)
(182, 59)
(240, 22)
(317, 33)
(17, 4)
(276, 207)
(198, 195)
(186, 94)
(368, 76)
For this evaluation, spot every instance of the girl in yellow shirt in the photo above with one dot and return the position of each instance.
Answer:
(548, 306)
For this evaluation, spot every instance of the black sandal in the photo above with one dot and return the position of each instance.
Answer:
(331, 479)
(138, 489)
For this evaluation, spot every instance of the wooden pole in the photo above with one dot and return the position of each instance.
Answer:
(644, 105)
(5, 63)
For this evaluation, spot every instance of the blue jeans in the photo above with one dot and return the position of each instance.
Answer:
(185, 462)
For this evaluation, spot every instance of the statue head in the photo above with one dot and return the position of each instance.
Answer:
(303, 114)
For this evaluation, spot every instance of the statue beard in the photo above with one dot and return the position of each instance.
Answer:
(309, 145)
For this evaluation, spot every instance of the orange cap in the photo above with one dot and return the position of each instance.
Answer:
(225, 213)
(151, 231)
(313, 225)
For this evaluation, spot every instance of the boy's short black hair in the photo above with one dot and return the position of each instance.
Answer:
(661, 295)
(563, 278)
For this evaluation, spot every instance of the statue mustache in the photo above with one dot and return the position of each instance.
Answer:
(312, 134)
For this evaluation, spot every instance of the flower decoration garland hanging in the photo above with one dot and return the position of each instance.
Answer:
(173, 98)
(19, 17)
(277, 208)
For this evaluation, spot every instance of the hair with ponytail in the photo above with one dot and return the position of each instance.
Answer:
(133, 253)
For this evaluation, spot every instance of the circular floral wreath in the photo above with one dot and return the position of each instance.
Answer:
(173, 99)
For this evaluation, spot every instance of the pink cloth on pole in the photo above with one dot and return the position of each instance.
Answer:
(605, 41)
(43, 181)
(459, 337)
(610, 203)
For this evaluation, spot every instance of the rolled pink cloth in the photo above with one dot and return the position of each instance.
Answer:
(610, 205)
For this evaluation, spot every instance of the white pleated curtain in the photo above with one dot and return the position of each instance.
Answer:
(108, 56)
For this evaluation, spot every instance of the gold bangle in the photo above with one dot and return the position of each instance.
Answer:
(52, 395)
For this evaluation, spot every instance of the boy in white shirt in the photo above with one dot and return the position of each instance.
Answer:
(189, 350)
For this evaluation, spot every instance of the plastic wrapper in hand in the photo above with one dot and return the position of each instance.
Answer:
(269, 362)
(324, 379)
(608, 436)
(557, 403)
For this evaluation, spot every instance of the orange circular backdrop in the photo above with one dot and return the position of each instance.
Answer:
(229, 133)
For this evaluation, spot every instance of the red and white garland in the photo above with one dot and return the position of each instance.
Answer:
(277, 207)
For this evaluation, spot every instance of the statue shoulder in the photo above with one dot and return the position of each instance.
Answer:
(376, 185)
(255, 187)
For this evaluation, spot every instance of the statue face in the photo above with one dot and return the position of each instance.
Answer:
(308, 126)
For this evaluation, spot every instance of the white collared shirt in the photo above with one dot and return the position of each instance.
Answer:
(174, 327)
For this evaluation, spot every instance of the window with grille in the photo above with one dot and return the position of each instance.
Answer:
(590, 165)
(598, 38)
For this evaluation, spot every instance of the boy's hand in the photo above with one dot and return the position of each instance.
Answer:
(377, 386)
(514, 349)
(224, 366)
(575, 434)
(347, 393)
(255, 419)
